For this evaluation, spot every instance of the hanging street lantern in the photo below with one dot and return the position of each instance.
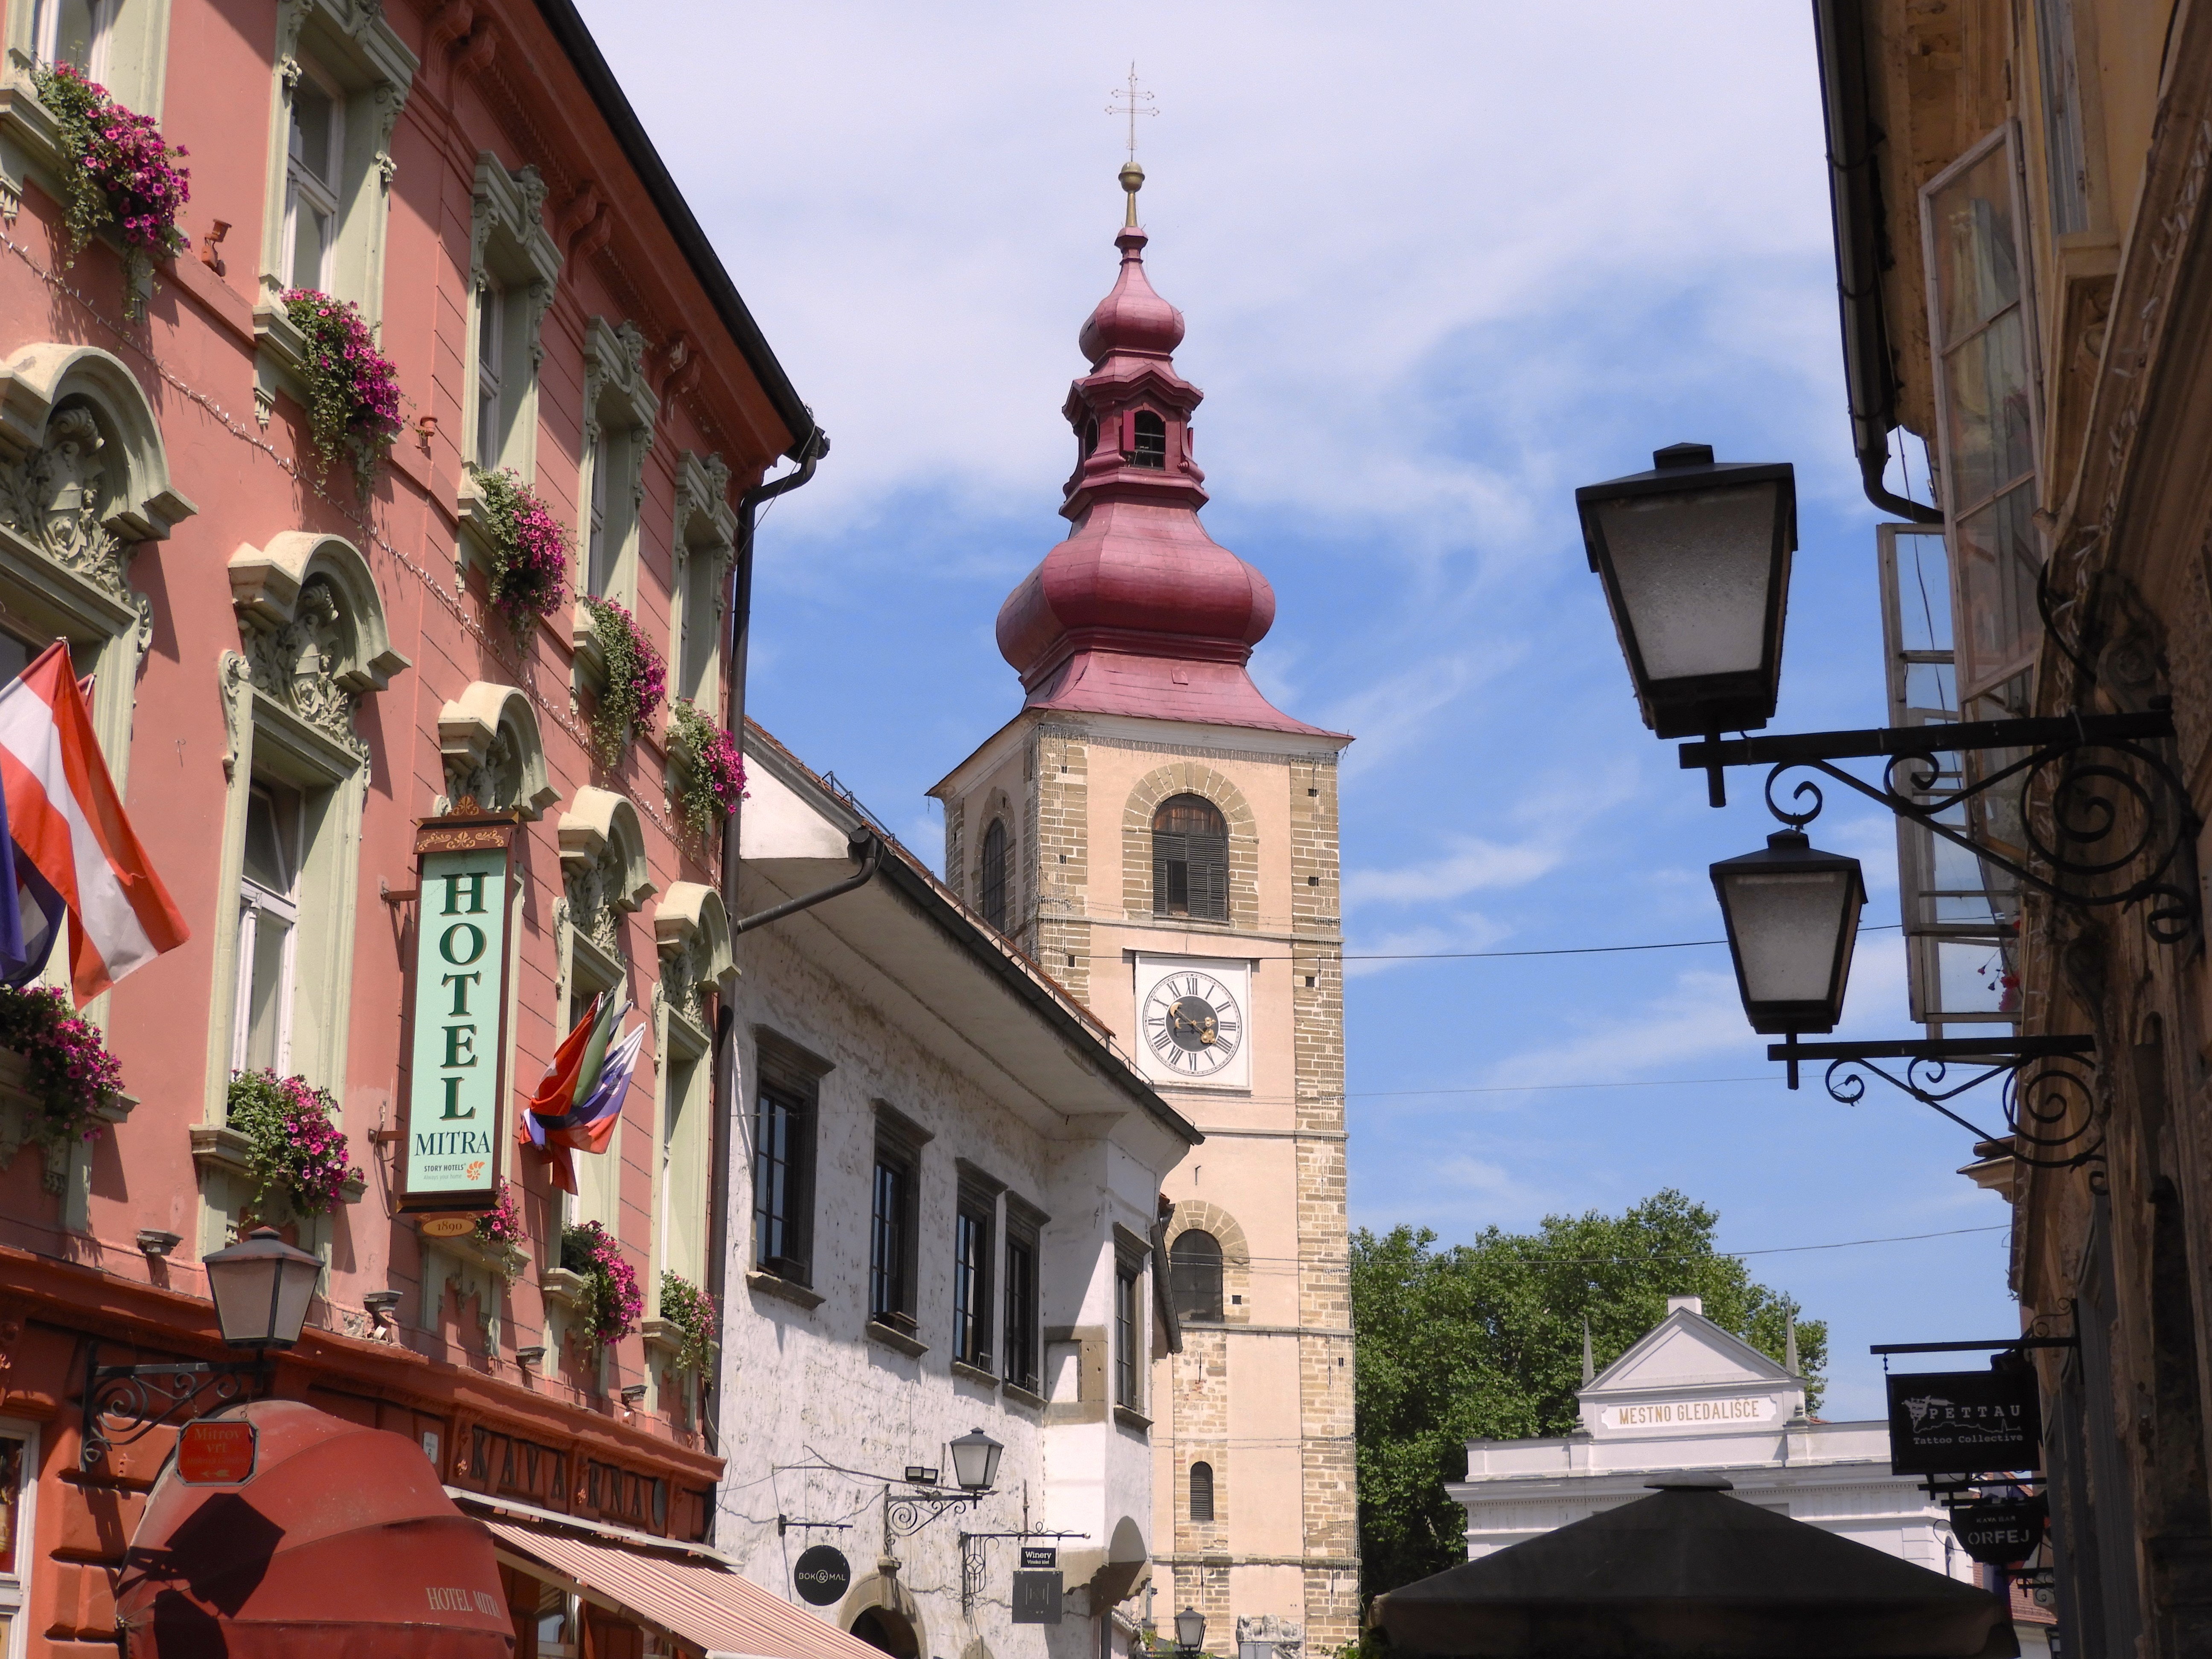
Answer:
(1695, 559)
(262, 1287)
(1793, 915)
(1190, 1631)
(976, 1460)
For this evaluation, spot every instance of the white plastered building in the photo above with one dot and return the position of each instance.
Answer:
(1689, 1396)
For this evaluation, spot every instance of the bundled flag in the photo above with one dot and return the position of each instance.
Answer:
(66, 847)
(579, 1101)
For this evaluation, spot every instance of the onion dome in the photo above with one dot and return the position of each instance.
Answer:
(1139, 611)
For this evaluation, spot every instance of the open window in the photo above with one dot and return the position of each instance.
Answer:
(1959, 912)
(619, 409)
(1148, 440)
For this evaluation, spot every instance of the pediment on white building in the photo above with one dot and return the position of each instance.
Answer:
(1688, 1376)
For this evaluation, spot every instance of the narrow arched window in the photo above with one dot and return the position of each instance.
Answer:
(1190, 859)
(1090, 437)
(1152, 443)
(1194, 1274)
(1201, 1491)
(995, 874)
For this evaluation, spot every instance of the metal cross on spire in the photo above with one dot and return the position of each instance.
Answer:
(1138, 104)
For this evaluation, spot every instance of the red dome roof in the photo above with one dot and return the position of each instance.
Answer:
(1132, 318)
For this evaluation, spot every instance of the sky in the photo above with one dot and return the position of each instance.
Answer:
(1440, 264)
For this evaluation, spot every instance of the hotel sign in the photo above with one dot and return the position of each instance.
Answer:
(1688, 1413)
(456, 1084)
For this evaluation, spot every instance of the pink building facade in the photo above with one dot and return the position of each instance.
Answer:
(287, 673)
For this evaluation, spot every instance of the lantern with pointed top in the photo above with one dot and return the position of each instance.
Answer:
(1793, 915)
(976, 1460)
(1190, 1631)
(1695, 559)
(262, 1287)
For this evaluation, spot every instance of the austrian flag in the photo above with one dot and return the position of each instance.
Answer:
(70, 836)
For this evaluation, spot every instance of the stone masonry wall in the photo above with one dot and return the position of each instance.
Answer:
(1060, 849)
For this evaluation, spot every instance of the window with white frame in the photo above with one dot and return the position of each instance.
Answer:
(73, 32)
(314, 168)
(268, 927)
(19, 1484)
(1980, 320)
(598, 548)
(491, 342)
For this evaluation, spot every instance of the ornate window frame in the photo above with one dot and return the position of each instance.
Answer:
(511, 252)
(364, 58)
(604, 878)
(701, 553)
(132, 64)
(313, 644)
(620, 408)
(489, 740)
(692, 931)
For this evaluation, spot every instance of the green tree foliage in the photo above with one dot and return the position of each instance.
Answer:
(1485, 1341)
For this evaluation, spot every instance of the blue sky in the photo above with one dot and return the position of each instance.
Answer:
(1440, 264)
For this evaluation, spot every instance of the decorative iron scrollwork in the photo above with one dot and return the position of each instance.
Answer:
(125, 1403)
(2048, 1096)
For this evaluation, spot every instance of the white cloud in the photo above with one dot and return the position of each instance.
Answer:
(1473, 864)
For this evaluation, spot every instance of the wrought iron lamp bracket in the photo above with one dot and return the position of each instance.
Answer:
(2048, 1100)
(906, 1513)
(2089, 801)
(124, 1404)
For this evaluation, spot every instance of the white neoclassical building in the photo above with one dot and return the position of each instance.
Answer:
(1690, 1396)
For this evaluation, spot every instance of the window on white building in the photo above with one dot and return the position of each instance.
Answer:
(1020, 1360)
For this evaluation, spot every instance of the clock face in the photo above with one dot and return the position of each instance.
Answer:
(1192, 1023)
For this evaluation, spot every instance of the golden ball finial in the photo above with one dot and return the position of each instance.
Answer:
(1133, 177)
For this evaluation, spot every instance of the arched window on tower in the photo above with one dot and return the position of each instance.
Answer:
(1201, 1491)
(1190, 859)
(1194, 1274)
(994, 882)
(1151, 442)
(1090, 437)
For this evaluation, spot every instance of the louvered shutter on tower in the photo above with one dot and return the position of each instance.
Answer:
(1209, 876)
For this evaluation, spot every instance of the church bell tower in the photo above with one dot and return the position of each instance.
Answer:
(1163, 841)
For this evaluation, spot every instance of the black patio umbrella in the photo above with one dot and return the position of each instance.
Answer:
(1692, 1573)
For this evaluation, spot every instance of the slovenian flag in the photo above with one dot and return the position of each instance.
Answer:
(71, 847)
(579, 1100)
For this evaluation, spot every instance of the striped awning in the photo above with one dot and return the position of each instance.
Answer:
(698, 1599)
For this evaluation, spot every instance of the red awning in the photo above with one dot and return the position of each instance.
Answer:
(698, 1597)
(341, 1544)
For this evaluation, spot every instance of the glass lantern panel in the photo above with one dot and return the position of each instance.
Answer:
(1694, 571)
(242, 1291)
(1786, 928)
(297, 1291)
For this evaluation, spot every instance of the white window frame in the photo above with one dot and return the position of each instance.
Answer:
(15, 1587)
(492, 353)
(599, 573)
(45, 34)
(254, 898)
(321, 193)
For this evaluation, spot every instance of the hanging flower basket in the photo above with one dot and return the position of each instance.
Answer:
(499, 1234)
(68, 1072)
(610, 1303)
(297, 1155)
(530, 547)
(711, 779)
(636, 679)
(117, 169)
(353, 390)
(692, 1312)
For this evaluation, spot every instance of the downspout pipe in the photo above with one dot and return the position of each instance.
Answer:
(810, 450)
(1839, 30)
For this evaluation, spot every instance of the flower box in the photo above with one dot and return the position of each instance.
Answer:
(561, 1287)
(663, 1336)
